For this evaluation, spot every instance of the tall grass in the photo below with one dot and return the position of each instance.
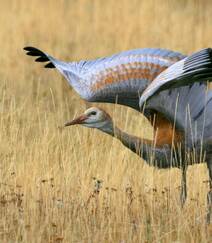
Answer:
(76, 184)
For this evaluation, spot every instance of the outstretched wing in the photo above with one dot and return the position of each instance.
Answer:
(194, 68)
(119, 78)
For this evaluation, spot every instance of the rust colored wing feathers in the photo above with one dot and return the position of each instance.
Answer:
(119, 78)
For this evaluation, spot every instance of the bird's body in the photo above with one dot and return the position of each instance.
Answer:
(168, 87)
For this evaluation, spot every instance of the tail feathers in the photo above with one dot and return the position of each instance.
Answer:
(42, 57)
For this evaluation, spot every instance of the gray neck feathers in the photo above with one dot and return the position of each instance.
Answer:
(137, 145)
(159, 157)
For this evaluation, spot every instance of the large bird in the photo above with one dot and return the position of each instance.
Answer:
(168, 87)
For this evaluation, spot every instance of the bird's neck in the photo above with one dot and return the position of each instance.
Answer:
(153, 153)
(140, 146)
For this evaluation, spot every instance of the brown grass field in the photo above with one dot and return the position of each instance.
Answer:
(48, 176)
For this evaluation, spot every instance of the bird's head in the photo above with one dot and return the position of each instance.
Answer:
(94, 118)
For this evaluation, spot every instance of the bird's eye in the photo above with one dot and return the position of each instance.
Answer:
(93, 113)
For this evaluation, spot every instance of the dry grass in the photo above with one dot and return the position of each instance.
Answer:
(48, 190)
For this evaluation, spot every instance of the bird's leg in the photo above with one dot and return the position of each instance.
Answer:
(183, 192)
(209, 195)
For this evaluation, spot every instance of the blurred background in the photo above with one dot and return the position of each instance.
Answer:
(48, 175)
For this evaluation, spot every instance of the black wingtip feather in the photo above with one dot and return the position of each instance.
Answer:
(30, 53)
(42, 57)
(49, 65)
(30, 48)
(33, 50)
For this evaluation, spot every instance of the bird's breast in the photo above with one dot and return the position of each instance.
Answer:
(165, 133)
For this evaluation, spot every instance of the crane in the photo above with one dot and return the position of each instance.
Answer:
(169, 88)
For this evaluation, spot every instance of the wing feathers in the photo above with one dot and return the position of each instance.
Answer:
(42, 57)
(123, 75)
(49, 65)
(33, 51)
(195, 68)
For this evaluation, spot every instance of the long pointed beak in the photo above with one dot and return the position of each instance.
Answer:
(78, 120)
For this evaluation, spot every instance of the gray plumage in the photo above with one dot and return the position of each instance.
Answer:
(161, 81)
